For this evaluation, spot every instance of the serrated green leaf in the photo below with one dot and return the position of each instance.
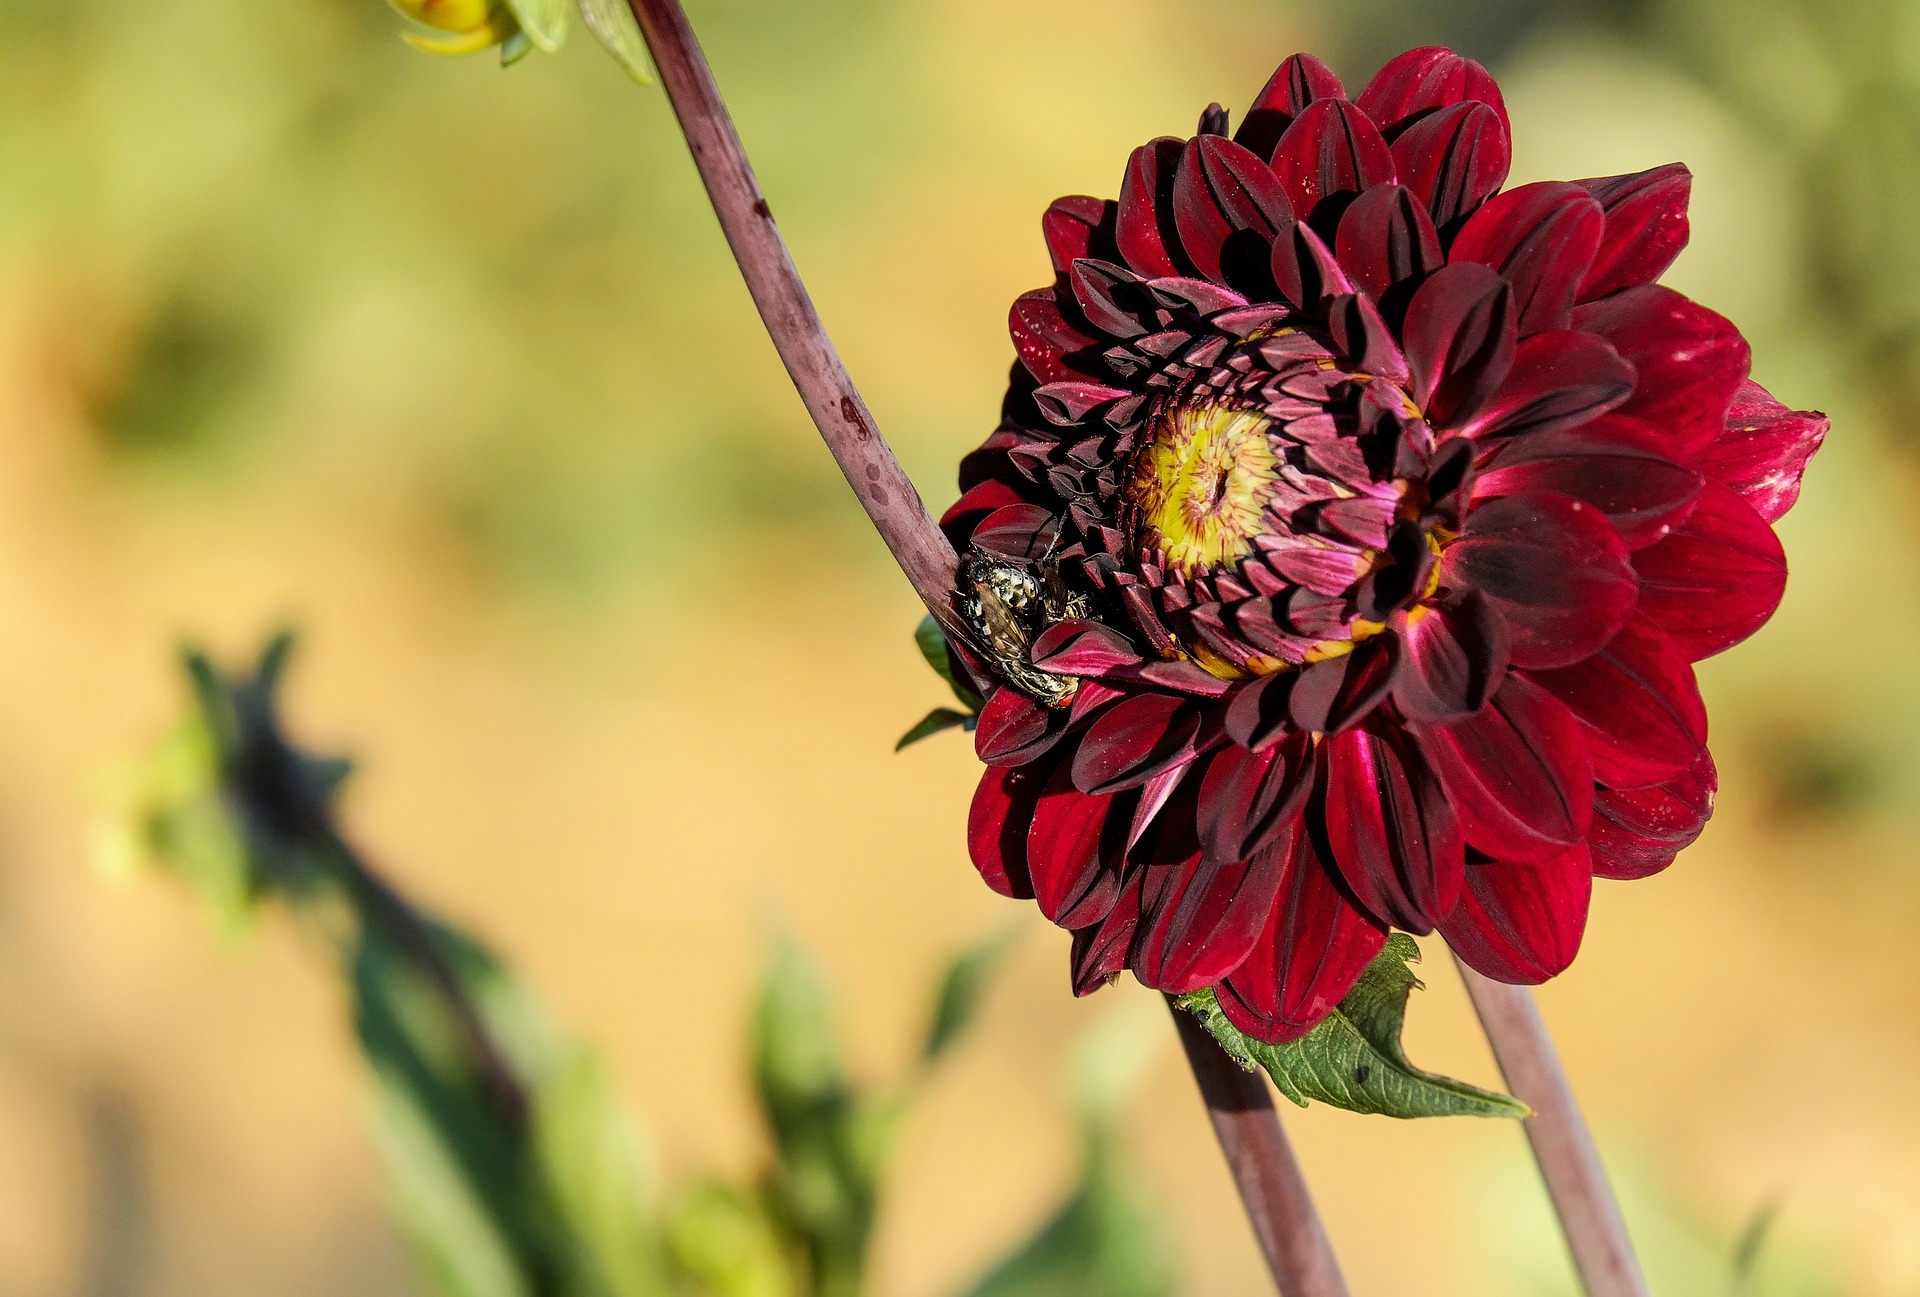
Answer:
(939, 655)
(543, 21)
(613, 25)
(1354, 1058)
(940, 718)
(960, 991)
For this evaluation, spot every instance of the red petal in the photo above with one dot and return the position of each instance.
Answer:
(1716, 579)
(1099, 288)
(1083, 648)
(1452, 660)
(979, 502)
(1299, 81)
(1392, 833)
(1100, 950)
(1637, 700)
(1542, 238)
(1555, 570)
(1559, 380)
(1134, 740)
(1764, 450)
(1248, 799)
(1517, 772)
(1076, 227)
(1143, 224)
(1331, 148)
(1522, 923)
(1638, 832)
(997, 827)
(1453, 159)
(1200, 918)
(1424, 79)
(1619, 465)
(1385, 237)
(1646, 227)
(1312, 951)
(1338, 692)
(1017, 531)
(1690, 361)
(1459, 339)
(1043, 337)
(1073, 880)
(1227, 205)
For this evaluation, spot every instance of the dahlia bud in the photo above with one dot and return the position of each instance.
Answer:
(471, 25)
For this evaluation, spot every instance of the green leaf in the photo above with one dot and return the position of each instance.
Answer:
(543, 21)
(939, 655)
(1354, 1059)
(960, 991)
(590, 1158)
(723, 1239)
(613, 25)
(940, 718)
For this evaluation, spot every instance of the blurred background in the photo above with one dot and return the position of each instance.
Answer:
(450, 367)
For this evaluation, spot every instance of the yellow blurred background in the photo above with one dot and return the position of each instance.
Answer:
(449, 366)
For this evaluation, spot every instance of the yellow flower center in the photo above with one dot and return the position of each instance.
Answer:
(1202, 486)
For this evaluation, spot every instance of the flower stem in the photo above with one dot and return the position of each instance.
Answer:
(1264, 1168)
(1562, 1145)
(1271, 1186)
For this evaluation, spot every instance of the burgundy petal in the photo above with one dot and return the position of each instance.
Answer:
(1134, 740)
(1716, 579)
(1222, 196)
(1014, 729)
(1249, 799)
(1143, 223)
(979, 502)
(1554, 568)
(1257, 712)
(997, 827)
(1637, 700)
(1637, 832)
(1312, 951)
(1690, 361)
(1424, 79)
(1646, 227)
(1299, 81)
(1017, 531)
(1453, 160)
(1107, 295)
(1100, 949)
(1517, 773)
(1083, 648)
(1330, 149)
(1764, 450)
(1542, 238)
(1619, 465)
(1200, 917)
(1459, 339)
(1338, 692)
(1558, 380)
(1522, 923)
(1043, 337)
(1076, 227)
(1385, 237)
(1392, 834)
(1452, 659)
(1074, 881)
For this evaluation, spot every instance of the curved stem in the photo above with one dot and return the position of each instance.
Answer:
(1562, 1145)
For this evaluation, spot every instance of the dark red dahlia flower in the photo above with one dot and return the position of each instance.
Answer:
(1346, 542)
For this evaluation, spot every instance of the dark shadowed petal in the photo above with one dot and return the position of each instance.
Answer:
(1248, 799)
(1224, 196)
(1312, 951)
(997, 827)
(1522, 923)
(1639, 704)
(1646, 227)
(1542, 238)
(1459, 339)
(1330, 149)
(1453, 159)
(1017, 531)
(1069, 403)
(1690, 361)
(1074, 881)
(1076, 227)
(1340, 691)
(1421, 80)
(1638, 832)
(1517, 773)
(1200, 917)
(1013, 728)
(1134, 740)
(1110, 296)
(1257, 712)
(1553, 568)
(1764, 450)
(1385, 237)
(1100, 949)
(1620, 465)
(964, 516)
(1558, 380)
(1043, 337)
(1143, 225)
(1392, 834)
(1298, 82)
(1452, 659)
(1716, 579)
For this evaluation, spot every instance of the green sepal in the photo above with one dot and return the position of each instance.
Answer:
(613, 25)
(940, 718)
(544, 22)
(939, 655)
(515, 47)
(1354, 1058)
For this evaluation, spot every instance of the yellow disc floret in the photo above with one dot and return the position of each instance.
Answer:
(1202, 486)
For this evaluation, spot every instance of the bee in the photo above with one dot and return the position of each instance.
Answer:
(1008, 606)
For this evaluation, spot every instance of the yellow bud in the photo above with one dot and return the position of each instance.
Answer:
(470, 25)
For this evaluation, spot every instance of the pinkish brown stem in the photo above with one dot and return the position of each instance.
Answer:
(1562, 1145)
